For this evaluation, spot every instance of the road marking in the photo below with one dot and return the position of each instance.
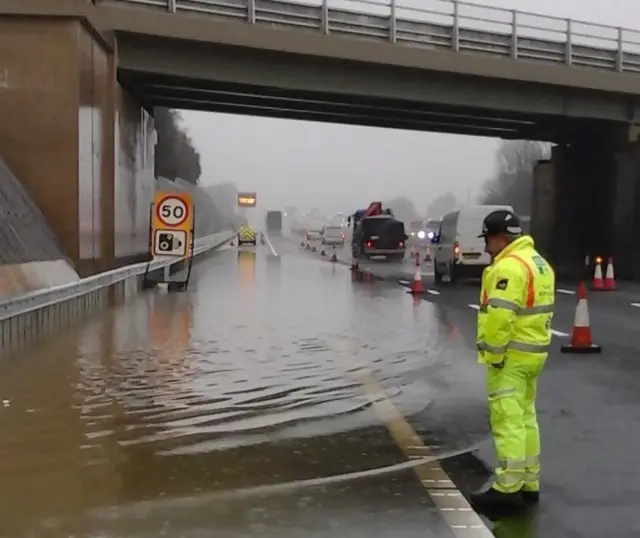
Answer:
(433, 292)
(453, 506)
(566, 292)
(270, 245)
(637, 305)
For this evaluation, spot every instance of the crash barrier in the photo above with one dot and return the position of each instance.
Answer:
(28, 318)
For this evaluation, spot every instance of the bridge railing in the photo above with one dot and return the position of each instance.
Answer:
(436, 24)
(29, 317)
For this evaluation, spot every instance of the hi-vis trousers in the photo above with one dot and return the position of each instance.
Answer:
(514, 426)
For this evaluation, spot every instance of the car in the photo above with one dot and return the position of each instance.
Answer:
(247, 236)
(314, 235)
(333, 236)
(459, 252)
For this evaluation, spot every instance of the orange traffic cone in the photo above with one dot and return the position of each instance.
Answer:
(598, 283)
(609, 278)
(334, 256)
(417, 287)
(581, 333)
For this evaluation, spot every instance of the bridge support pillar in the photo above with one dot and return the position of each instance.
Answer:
(82, 147)
(585, 200)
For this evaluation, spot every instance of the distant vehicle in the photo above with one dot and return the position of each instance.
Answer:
(431, 228)
(314, 235)
(333, 236)
(379, 235)
(459, 252)
(247, 236)
(273, 222)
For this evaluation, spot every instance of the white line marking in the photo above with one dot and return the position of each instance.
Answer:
(559, 333)
(566, 292)
(637, 305)
(474, 306)
(433, 292)
(273, 250)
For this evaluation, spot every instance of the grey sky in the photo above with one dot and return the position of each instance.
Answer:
(335, 167)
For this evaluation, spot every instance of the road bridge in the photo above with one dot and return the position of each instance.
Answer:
(452, 68)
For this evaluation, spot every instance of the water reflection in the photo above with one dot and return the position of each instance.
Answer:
(234, 384)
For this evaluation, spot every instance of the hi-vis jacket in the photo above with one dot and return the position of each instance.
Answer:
(516, 305)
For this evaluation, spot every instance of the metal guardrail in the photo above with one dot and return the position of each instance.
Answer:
(39, 299)
(435, 24)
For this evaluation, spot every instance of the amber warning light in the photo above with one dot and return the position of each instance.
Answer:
(247, 199)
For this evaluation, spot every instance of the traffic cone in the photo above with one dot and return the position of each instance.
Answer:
(581, 333)
(334, 256)
(598, 283)
(427, 255)
(322, 251)
(609, 278)
(313, 248)
(354, 262)
(417, 287)
(302, 244)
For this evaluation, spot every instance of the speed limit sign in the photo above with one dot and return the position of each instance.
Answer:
(172, 211)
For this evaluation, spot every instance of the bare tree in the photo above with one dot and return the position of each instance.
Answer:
(514, 183)
(442, 205)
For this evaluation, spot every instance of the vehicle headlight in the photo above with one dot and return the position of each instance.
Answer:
(413, 233)
(431, 235)
(421, 235)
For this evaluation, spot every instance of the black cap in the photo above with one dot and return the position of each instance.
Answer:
(501, 221)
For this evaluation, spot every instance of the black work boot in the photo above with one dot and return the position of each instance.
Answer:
(530, 496)
(494, 499)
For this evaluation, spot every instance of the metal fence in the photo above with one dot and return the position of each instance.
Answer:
(30, 317)
(434, 24)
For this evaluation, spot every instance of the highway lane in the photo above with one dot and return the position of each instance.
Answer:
(269, 400)
(589, 412)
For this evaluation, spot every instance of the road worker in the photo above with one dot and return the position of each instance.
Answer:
(514, 332)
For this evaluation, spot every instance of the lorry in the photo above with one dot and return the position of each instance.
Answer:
(376, 232)
(273, 222)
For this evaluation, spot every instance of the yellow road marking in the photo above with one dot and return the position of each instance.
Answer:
(455, 510)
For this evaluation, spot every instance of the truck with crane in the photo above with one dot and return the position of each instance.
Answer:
(377, 233)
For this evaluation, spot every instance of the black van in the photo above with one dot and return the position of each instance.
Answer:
(379, 235)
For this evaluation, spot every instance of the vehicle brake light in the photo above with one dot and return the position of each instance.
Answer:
(401, 244)
(456, 249)
(342, 235)
(368, 244)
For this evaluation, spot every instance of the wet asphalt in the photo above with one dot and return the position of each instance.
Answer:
(240, 409)
(588, 408)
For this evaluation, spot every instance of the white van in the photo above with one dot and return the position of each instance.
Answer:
(459, 252)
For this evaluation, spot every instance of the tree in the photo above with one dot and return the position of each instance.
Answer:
(513, 184)
(403, 208)
(442, 205)
(176, 156)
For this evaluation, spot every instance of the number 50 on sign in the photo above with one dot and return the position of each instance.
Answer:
(172, 212)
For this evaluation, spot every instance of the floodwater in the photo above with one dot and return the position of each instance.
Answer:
(235, 409)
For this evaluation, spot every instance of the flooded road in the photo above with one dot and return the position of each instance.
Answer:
(243, 407)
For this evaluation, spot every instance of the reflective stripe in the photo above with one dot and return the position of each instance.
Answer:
(501, 392)
(517, 346)
(515, 465)
(520, 311)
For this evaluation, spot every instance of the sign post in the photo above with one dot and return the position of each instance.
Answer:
(172, 231)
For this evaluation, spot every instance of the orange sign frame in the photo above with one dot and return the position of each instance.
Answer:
(172, 211)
